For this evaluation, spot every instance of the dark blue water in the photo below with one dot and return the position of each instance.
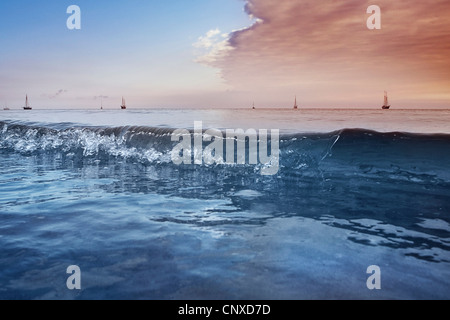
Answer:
(139, 227)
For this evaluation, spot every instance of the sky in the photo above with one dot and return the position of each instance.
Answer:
(225, 54)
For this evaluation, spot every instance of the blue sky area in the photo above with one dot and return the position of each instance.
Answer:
(141, 49)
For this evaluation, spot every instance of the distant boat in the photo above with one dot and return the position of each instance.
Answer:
(101, 103)
(253, 106)
(27, 105)
(123, 106)
(295, 104)
(6, 108)
(386, 104)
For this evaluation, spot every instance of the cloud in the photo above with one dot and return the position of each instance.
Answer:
(208, 40)
(212, 47)
(101, 97)
(55, 95)
(324, 50)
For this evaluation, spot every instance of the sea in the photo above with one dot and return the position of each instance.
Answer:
(358, 209)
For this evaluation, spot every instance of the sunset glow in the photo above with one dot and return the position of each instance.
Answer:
(226, 54)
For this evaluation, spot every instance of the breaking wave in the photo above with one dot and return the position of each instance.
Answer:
(364, 151)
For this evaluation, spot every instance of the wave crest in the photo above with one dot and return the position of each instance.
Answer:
(363, 151)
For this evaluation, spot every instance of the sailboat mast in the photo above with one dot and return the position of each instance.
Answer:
(386, 105)
(27, 104)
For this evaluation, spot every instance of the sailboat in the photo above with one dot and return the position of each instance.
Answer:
(386, 104)
(6, 107)
(253, 106)
(27, 105)
(295, 104)
(123, 106)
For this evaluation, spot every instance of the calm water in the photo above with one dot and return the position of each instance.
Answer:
(98, 189)
(310, 120)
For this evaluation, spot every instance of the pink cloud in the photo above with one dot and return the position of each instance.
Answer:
(323, 51)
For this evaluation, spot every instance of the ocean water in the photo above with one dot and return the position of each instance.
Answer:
(98, 189)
